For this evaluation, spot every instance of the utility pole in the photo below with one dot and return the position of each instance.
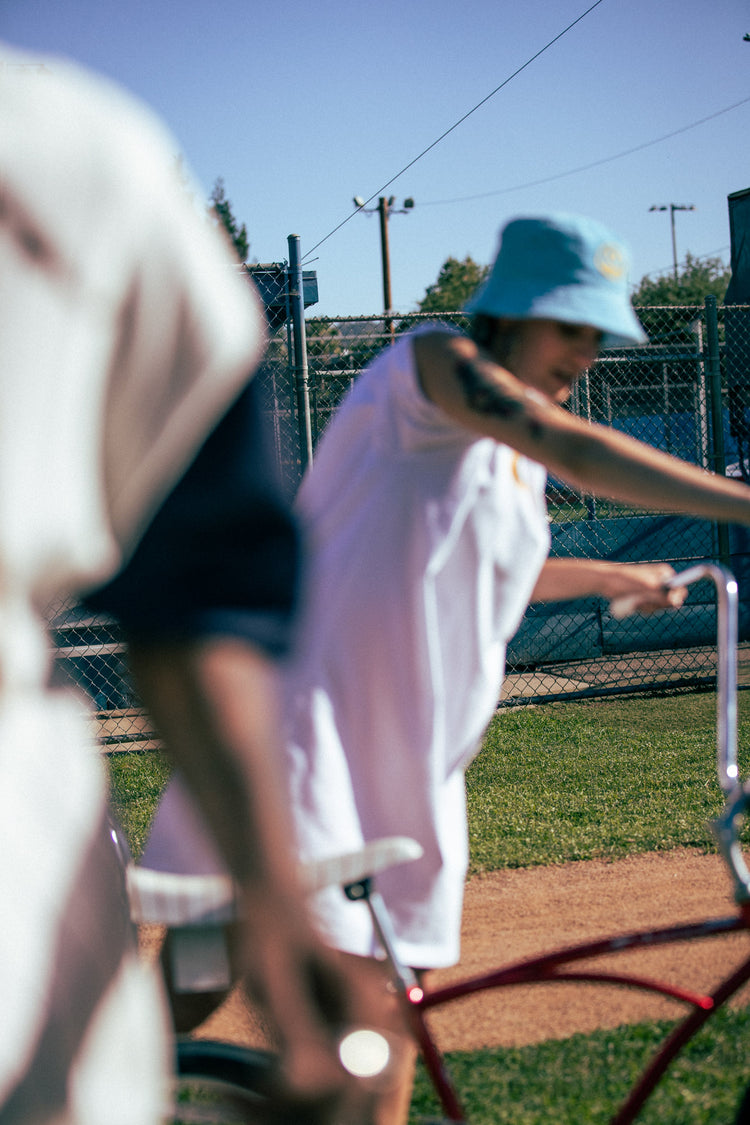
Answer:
(672, 207)
(384, 206)
(385, 209)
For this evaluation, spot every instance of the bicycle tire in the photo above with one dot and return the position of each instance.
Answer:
(743, 1110)
(219, 1083)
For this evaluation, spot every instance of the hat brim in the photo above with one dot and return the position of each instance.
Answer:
(597, 309)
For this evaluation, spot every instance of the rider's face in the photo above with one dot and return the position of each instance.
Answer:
(548, 355)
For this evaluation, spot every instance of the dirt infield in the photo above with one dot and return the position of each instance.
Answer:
(515, 914)
(510, 915)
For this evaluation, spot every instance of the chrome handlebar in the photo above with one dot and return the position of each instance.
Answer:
(726, 827)
(726, 685)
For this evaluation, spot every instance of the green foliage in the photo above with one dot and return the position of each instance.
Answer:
(455, 284)
(323, 339)
(220, 211)
(698, 279)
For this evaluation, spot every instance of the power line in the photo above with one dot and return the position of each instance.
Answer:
(460, 121)
(586, 167)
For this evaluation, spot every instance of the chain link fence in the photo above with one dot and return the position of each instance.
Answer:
(687, 392)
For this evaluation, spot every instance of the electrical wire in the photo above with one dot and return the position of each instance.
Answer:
(456, 124)
(585, 167)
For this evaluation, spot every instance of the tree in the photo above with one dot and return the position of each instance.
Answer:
(698, 279)
(455, 284)
(323, 340)
(220, 211)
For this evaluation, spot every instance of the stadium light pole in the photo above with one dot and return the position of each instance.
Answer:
(672, 207)
(385, 209)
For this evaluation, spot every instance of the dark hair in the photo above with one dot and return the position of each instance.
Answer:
(483, 330)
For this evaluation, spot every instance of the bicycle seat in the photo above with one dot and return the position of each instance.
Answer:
(351, 867)
(179, 900)
(193, 900)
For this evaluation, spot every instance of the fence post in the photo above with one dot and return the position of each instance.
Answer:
(301, 379)
(713, 365)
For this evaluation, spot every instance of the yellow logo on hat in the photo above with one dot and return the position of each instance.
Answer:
(610, 261)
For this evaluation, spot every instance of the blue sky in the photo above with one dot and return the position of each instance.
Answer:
(299, 107)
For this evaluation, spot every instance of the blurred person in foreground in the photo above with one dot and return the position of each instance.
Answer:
(130, 449)
(428, 535)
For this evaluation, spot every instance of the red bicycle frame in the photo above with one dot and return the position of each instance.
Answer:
(554, 967)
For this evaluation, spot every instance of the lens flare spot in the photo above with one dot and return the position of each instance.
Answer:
(364, 1053)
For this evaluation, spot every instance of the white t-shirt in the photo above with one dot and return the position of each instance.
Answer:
(425, 546)
(125, 332)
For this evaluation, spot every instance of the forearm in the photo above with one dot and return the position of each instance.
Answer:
(608, 463)
(646, 583)
(562, 579)
(214, 705)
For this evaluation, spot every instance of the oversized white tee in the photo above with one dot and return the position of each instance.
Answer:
(425, 543)
(125, 333)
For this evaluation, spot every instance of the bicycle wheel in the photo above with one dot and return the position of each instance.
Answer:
(221, 1083)
(743, 1112)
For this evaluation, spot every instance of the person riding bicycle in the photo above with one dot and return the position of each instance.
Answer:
(428, 537)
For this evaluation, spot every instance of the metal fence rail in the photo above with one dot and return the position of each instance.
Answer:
(687, 392)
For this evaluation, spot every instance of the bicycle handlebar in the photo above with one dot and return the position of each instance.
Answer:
(737, 794)
(726, 679)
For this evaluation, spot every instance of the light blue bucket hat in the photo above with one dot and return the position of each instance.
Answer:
(561, 267)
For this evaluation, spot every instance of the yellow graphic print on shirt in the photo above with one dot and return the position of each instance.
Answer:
(514, 470)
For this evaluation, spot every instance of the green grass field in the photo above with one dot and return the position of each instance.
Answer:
(580, 1080)
(554, 784)
(603, 778)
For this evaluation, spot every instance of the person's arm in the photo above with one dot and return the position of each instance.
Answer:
(207, 605)
(644, 583)
(488, 400)
(214, 705)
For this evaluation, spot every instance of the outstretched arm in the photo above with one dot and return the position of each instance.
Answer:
(645, 583)
(487, 399)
